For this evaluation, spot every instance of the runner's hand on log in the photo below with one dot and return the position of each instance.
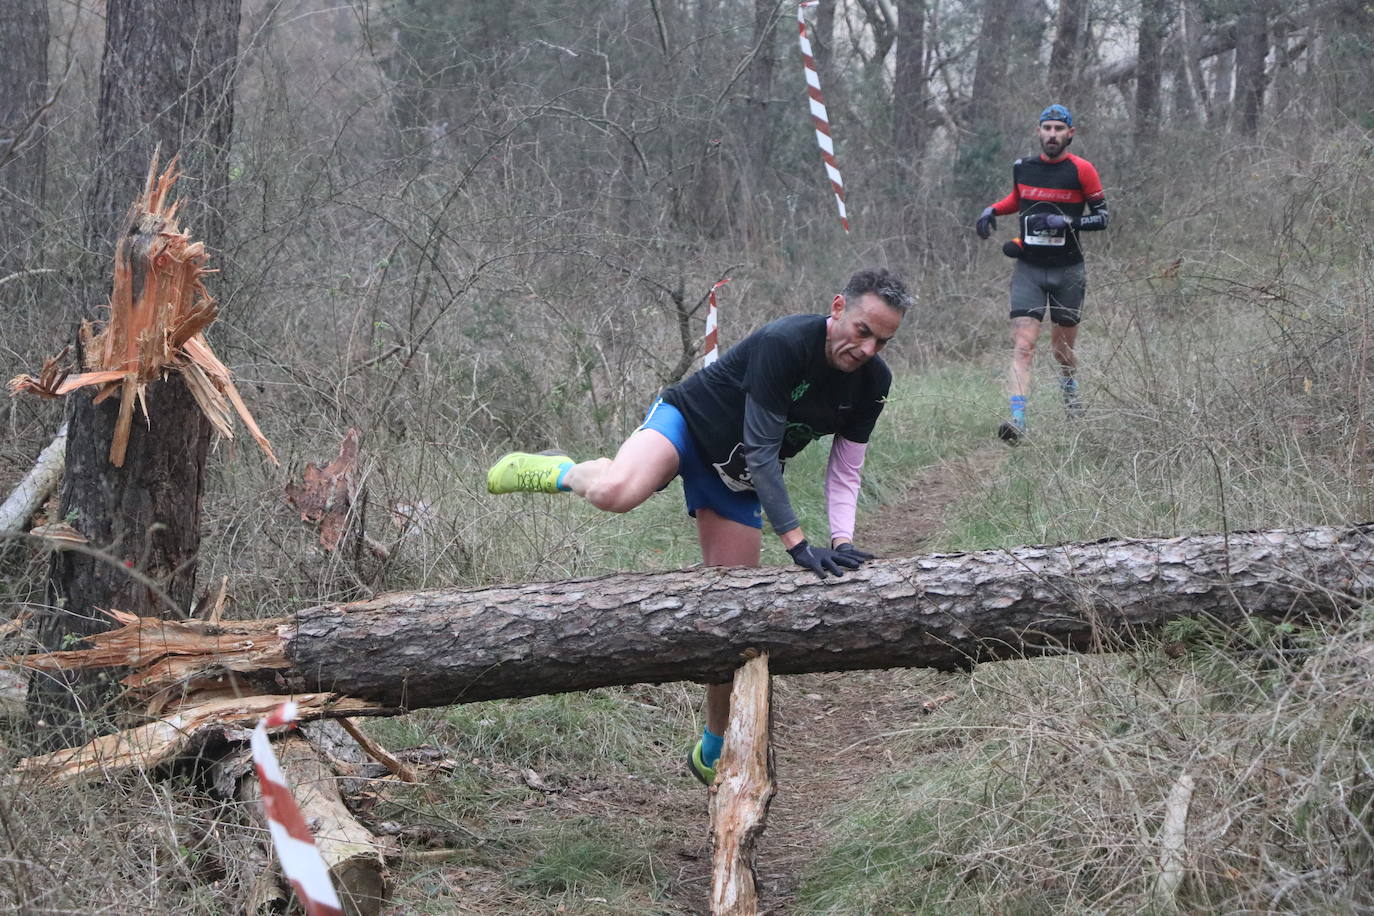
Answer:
(848, 549)
(822, 560)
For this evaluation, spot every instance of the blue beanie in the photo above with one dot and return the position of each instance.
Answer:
(1057, 113)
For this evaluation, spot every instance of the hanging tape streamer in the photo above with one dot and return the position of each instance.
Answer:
(300, 860)
(819, 117)
(712, 339)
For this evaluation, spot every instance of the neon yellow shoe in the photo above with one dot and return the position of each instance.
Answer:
(699, 769)
(521, 472)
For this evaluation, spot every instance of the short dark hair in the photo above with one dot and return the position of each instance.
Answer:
(882, 283)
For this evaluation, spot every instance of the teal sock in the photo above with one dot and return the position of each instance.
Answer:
(1069, 385)
(563, 470)
(1018, 409)
(711, 744)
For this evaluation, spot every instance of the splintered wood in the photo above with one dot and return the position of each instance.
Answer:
(743, 790)
(159, 308)
(144, 747)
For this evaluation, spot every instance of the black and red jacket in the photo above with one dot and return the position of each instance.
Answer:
(1068, 186)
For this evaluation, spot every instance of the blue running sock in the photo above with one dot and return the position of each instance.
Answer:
(1069, 385)
(563, 470)
(711, 743)
(1018, 410)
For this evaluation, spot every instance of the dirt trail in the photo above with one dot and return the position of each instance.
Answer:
(827, 737)
(827, 727)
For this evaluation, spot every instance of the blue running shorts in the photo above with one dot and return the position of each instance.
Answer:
(701, 485)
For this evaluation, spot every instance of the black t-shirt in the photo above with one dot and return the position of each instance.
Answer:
(770, 396)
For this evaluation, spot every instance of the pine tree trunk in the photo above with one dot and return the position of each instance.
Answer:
(1064, 63)
(1252, 47)
(166, 78)
(910, 99)
(945, 611)
(1148, 72)
(23, 129)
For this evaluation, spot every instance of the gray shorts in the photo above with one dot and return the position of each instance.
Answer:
(1062, 288)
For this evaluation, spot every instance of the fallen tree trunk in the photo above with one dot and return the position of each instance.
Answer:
(945, 611)
(36, 486)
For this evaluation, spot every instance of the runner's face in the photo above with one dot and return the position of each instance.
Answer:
(1054, 137)
(859, 329)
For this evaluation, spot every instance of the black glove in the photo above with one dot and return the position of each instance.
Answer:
(822, 560)
(1039, 222)
(987, 222)
(1013, 249)
(849, 550)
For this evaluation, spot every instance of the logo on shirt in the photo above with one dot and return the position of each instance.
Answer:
(800, 390)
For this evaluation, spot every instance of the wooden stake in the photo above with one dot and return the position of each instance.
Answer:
(743, 789)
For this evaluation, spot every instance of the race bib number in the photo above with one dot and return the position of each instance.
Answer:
(734, 471)
(1052, 237)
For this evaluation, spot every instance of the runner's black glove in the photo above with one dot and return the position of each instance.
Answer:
(986, 223)
(822, 560)
(1039, 222)
(849, 550)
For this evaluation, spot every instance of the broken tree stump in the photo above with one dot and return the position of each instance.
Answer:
(743, 789)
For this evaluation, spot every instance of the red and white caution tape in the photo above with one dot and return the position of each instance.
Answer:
(300, 860)
(819, 117)
(712, 338)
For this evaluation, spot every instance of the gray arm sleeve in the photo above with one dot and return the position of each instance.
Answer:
(763, 432)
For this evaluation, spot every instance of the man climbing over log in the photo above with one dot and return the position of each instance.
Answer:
(728, 429)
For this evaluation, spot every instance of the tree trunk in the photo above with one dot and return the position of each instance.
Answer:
(910, 99)
(823, 51)
(1252, 47)
(1183, 108)
(945, 611)
(166, 78)
(980, 160)
(1190, 28)
(1149, 44)
(758, 123)
(23, 127)
(1064, 62)
(1223, 83)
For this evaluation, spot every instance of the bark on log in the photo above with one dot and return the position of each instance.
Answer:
(36, 486)
(743, 789)
(945, 611)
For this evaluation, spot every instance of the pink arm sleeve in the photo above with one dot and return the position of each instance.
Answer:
(842, 485)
